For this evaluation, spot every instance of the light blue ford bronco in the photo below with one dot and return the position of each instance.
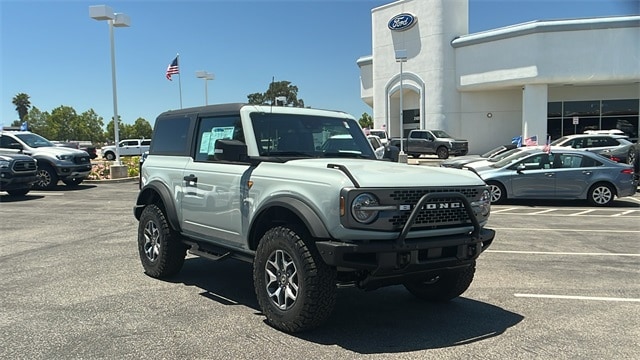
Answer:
(272, 186)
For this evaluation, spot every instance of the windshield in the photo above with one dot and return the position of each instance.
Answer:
(512, 158)
(505, 154)
(494, 152)
(440, 134)
(309, 136)
(380, 134)
(34, 141)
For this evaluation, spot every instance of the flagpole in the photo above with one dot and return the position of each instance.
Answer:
(179, 80)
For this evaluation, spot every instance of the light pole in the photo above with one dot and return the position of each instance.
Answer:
(206, 76)
(103, 12)
(401, 57)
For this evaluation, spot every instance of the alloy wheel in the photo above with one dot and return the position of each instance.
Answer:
(282, 281)
(151, 241)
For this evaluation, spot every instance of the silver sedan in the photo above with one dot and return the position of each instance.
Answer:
(558, 174)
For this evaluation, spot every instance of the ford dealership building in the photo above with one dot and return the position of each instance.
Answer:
(540, 78)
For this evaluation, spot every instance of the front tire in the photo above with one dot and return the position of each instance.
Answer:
(295, 289)
(161, 252)
(601, 194)
(442, 152)
(443, 287)
(47, 177)
(110, 156)
(498, 192)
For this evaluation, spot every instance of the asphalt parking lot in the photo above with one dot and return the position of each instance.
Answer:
(561, 281)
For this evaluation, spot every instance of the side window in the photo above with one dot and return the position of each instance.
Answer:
(146, 142)
(212, 129)
(171, 136)
(589, 162)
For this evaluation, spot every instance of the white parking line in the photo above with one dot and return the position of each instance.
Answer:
(47, 193)
(569, 297)
(558, 253)
(570, 230)
(624, 213)
(582, 212)
(542, 211)
(502, 210)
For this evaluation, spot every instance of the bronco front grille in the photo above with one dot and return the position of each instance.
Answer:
(440, 212)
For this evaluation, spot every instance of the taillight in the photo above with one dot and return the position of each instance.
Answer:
(615, 158)
(627, 171)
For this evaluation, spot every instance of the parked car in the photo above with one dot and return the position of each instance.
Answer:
(376, 144)
(128, 147)
(438, 142)
(562, 173)
(18, 173)
(460, 161)
(621, 154)
(90, 149)
(55, 163)
(382, 134)
(593, 142)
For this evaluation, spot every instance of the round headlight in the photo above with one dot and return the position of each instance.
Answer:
(359, 208)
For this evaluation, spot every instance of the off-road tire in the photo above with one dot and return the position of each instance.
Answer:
(47, 177)
(18, 192)
(287, 260)
(498, 192)
(161, 252)
(442, 152)
(601, 194)
(443, 287)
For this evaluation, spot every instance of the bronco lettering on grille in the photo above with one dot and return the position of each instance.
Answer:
(433, 206)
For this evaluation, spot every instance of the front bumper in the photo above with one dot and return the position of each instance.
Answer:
(75, 171)
(13, 182)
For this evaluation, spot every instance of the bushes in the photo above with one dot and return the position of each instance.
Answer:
(100, 169)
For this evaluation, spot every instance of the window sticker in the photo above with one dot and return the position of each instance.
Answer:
(209, 138)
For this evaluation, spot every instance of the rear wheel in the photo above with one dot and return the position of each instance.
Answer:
(47, 177)
(442, 287)
(295, 288)
(161, 252)
(601, 194)
(442, 152)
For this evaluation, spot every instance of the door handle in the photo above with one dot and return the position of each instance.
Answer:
(586, 172)
(191, 180)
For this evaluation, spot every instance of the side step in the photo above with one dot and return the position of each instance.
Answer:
(216, 253)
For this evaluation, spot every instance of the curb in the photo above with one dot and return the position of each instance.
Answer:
(112, 181)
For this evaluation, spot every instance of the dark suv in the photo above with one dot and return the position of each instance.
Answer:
(17, 173)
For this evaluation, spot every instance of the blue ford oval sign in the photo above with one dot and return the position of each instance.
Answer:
(401, 22)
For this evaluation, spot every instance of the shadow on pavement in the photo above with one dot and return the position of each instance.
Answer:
(387, 320)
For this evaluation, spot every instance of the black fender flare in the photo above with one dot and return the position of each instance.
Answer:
(304, 212)
(147, 196)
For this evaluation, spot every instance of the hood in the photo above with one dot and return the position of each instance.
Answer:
(9, 157)
(58, 150)
(385, 174)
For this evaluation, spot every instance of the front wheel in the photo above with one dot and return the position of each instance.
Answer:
(161, 252)
(498, 192)
(443, 287)
(442, 152)
(110, 156)
(295, 288)
(601, 194)
(46, 177)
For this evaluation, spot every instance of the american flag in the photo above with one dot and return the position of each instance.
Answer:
(531, 141)
(173, 69)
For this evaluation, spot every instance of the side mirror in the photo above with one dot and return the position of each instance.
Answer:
(520, 168)
(230, 150)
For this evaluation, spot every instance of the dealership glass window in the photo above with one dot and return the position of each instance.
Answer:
(619, 114)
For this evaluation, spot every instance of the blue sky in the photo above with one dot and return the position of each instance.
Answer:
(53, 51)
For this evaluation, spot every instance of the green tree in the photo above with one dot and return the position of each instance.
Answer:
(63, 124)
(366, 121)
(90, 127)
(38, 121)
(22, 103)
(110, 134)
(277, 90)
(141, 129)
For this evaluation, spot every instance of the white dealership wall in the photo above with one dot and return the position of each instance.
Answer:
(490, 86)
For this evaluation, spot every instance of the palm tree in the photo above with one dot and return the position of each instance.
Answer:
(22, 103)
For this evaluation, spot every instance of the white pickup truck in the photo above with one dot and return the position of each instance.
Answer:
(128, 147)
